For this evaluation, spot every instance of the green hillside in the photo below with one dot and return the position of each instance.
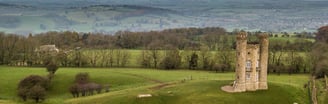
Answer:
(166, 87)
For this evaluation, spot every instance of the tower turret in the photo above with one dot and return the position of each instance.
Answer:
(264, 49)
(239, 84)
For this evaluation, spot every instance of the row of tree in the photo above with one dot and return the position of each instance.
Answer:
(319, 54)
(84, 87)
(199, 48)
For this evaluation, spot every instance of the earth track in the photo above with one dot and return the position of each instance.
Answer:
(160, 83)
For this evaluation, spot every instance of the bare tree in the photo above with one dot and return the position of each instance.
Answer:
(205, 56)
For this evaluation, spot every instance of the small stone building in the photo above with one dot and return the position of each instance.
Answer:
(48, 48)
(251, 64)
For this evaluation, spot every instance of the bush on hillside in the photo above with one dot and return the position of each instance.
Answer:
(52, 68)
(33, 87)
(82, 78)
(33, 80)
(83, 86)
(37, 93)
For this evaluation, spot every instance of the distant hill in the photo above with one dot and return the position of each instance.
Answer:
(110, 16)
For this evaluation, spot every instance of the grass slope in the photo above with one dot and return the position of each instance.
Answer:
(127, 83)
(200, 92)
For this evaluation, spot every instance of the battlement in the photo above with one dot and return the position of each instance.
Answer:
(241, 36)
(263, 36)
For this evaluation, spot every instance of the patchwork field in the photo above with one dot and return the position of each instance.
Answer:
(166, 87)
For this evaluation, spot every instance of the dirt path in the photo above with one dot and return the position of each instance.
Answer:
(160, 85)
(157, 87)
(143, 77)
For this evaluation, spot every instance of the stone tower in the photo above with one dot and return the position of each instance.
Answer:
(264, 49)
(240, 81)
(251, 63)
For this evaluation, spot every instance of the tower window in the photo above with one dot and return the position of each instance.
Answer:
(248, 64)
(248, 76)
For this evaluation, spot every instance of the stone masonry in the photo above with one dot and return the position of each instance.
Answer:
(251, 63)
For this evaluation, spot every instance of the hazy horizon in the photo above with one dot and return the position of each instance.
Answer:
(110, 16)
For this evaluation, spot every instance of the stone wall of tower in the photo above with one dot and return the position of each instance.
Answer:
(264, 49)
(239, 85)
(252, 56)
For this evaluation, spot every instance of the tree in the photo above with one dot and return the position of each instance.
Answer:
(218, 67)
(62, 58)
(225, 58)
(79, 59)
(277, 49)
(172, 60)
(93, 57)
(125, 58)
(82, 78)
(22, 93)
(37, 93)
(74, 90)
(145, 59)
(33, 80)
(154, 48)
(121, 57)
(322, 35)
(193, 62)
(320, 53)
(205, 55)
(320, 59)
(52, 68)
(33, 87)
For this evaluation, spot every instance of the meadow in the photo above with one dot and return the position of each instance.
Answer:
(166, 87)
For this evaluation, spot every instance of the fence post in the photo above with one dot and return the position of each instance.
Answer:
(314, 92)
(309, 91)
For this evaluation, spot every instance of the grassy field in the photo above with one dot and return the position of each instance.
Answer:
(127, 83)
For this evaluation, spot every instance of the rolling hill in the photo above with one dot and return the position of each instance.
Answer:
(166, 87)
(110, 16)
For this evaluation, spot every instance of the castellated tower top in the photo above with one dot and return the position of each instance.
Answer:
(242, 35)
(263, 36)
(252, 46)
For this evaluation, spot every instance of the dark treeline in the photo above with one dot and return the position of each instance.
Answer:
(319, 54)
(193, 48)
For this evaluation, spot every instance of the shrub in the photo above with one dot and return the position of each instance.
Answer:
(82, 78)
(74, 90)
(33, 87)
(22, 93)
(33, 80)
(37, 93)
(52, 68)
(83, 86)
